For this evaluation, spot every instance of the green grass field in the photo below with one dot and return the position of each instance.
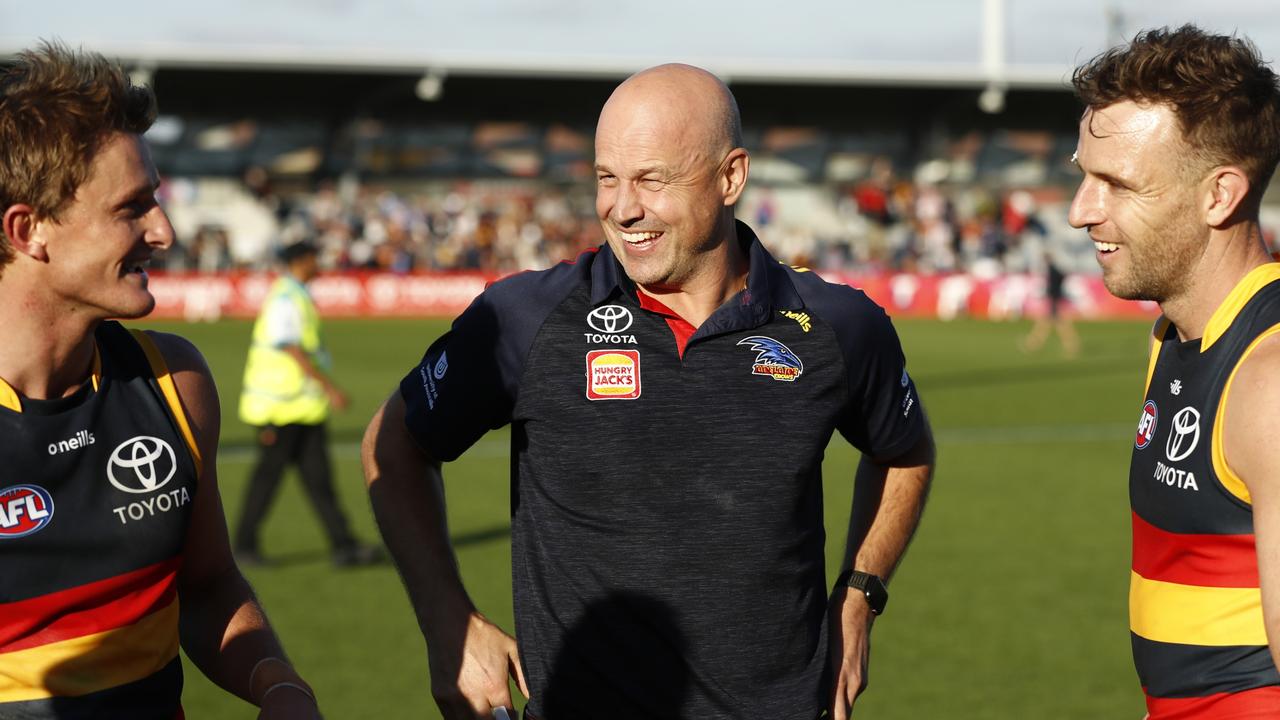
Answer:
(1010, 604)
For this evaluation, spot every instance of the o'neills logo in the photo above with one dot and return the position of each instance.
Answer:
(613, 375)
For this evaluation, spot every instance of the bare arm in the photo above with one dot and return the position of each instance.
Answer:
(311, 370)
(888, 499)
(1253, 408)
(222, 626)
(470, 657)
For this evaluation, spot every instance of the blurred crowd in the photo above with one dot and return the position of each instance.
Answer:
(882, 223)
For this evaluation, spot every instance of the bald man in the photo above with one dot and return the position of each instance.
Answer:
(670, 395)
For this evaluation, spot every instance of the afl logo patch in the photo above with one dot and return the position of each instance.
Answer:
(1146, 425)
(24, 509)
(141, 464)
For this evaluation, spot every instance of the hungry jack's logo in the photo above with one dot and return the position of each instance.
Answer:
(613, 374)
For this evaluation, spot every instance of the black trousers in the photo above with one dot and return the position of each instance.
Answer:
(306, 446)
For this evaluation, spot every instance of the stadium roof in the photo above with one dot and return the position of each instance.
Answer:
(908, 42)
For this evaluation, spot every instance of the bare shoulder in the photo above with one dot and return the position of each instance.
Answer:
(194, 382)
(1257, 379)
(1252, 410)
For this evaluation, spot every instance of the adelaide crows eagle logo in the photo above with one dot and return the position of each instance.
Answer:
(774, 360)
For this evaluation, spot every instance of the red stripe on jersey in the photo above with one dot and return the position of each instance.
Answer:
(1259, 704)
(88, 609)
(679, 326)
(1228, 561)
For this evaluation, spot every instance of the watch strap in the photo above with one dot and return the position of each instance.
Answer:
(871, 586)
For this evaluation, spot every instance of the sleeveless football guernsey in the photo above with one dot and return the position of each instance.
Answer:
(1195, 608)
(96, 492)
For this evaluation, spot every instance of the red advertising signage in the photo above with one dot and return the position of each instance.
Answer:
(209, 297)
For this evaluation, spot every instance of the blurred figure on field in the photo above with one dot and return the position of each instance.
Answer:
(287, 395)
(1020, 220)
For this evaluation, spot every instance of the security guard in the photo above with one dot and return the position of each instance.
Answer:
(287, 394)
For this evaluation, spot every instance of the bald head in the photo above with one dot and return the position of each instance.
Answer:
(683, 99)
(670, 167)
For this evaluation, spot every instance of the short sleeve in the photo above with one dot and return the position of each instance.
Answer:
(463, 387)
(283, 322)
(883, 418)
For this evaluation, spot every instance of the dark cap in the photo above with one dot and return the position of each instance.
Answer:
(300, 249)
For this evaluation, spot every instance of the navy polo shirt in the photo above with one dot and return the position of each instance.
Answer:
(667, 526)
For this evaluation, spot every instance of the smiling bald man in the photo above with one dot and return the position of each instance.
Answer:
(670, 396)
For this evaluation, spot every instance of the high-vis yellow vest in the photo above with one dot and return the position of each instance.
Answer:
(276, 390)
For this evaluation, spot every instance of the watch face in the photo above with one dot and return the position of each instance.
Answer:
(873, 588)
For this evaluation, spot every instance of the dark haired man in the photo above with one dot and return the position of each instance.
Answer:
(113, 548)
(670, 398)
(1180, 136)
(286, 397)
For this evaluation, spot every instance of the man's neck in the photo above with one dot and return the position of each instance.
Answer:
(45, 351)
(723, 276)
(1229, 256)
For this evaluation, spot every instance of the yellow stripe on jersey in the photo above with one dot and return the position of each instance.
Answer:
(91, 663)
(1229, 479)
(1241, 294)
(1193, 615)
(9, 397)
(96, 375)
(161, 370)
(1157, 340)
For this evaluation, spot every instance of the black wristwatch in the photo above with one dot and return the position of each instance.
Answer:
(871, 586)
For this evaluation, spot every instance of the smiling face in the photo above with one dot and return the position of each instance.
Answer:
(662, 196)
(99, 248)
(1138, 200)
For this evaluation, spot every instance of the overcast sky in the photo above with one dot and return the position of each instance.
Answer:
(748, 37)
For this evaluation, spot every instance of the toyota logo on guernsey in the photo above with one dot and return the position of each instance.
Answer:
(24, 509)
(141, 464)
(609, 323)
(1185, 435)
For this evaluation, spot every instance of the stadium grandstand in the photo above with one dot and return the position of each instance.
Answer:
(470, 158)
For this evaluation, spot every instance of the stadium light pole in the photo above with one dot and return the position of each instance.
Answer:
(993, 56)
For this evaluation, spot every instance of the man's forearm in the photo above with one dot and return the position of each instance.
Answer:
(226, 634)
(407, 493)
(888, 500)
(309, 368)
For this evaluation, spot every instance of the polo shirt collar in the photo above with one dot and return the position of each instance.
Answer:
(769, 285)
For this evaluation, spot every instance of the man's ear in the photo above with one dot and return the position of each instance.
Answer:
(1227, 188)
(734, 178)
(22, 228)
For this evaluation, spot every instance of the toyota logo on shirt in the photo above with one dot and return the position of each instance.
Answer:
(609, 319)
(1185, 435)
(141, 464)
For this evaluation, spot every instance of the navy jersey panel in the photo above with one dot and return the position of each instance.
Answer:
(882, 418)
(468, 380)
(667, 530)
